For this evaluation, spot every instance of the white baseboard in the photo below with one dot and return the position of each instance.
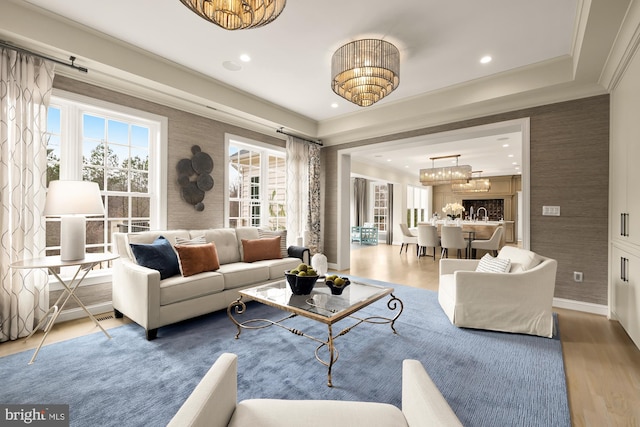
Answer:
(586, 307)
(77, 313)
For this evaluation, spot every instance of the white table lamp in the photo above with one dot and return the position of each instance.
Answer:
(73, 201)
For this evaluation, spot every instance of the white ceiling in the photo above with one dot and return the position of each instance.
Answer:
(539, 48)
(441, 42)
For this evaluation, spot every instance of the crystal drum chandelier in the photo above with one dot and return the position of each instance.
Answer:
(458, 174)
(237, 14)
(365, 71)
(476, 185)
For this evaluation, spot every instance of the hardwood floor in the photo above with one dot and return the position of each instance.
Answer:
(602, 365)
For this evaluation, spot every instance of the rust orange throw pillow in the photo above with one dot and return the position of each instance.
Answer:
(196, 259)
(259, 249)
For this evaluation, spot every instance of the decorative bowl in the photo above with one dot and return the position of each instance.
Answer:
(300, 285)
(337, 290)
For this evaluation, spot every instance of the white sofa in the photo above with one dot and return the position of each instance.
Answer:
(213, 403)
(141, 295)
(518, 301)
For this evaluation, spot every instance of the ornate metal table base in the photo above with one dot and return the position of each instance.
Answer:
(238, 307)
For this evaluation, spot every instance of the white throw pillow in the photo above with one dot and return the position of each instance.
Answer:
(198, 240)
(489, 264)
(273, 233)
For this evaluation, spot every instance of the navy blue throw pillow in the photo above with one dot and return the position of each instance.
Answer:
(159, 255)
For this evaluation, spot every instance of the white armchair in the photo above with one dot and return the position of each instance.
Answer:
(519, 301)
(213, 403)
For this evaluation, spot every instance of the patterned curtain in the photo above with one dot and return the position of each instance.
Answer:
(303, 194)
(314, 240)
(25, 87)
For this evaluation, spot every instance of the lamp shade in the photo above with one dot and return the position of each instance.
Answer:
(73, 198)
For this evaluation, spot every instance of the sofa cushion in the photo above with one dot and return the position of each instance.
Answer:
(260, 249)
(238, 274)
(225, 241)
(489, 264)
(158, 255)
(178, 288)
(521, 259)
(196, 259)
(277, 267)
(315, 413)
(273, 233)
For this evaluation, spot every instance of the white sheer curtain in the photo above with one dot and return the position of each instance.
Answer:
(303, 194)
(25, 87)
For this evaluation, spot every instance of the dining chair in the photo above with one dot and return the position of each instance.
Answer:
(492, 244)
(451, 238)
(408, 238)
(427, 238)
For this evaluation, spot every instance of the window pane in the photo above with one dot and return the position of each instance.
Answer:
(139, 182)
(118, 206)
(140, 207)
(93, 153)
(95, 231)
(93, 127)
(140, 136)
(53, 232)
(139, 159)
(118, 132)
(93, 174)
(117, 180)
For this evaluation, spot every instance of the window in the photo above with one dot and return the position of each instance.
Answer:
(116, 147)
(418, 201)
(380, 206)
(257, 185)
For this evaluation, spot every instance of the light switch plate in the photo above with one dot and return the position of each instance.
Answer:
(551, 210)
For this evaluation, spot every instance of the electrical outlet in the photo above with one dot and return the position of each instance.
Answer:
(577, 276)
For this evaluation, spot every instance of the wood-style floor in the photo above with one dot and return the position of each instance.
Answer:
(602, 364)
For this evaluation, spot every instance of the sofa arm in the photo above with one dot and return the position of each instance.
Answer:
(136, 293)
(422, 403)
(213, 401)
(450, 265)
(300, 252)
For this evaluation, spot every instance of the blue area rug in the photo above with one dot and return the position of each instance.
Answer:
(488, 378)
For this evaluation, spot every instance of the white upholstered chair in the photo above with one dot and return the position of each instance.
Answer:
(451, 238)
(492, 244)
(214, 403)
(427, 238)
(408, 238)
(518, 301)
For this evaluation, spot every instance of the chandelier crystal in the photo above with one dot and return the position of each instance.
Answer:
(365, 71)
(458, 174)
(237, 14)
(476, 185)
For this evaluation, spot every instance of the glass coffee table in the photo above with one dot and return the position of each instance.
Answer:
(320, 306)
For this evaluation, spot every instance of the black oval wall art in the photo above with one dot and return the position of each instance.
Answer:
(194, 177)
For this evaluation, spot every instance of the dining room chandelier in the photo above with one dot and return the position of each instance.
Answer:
(458, 174)
(237, 14)
(474, 185)
(365, 71)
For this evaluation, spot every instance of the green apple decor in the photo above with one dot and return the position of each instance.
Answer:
(337, 284)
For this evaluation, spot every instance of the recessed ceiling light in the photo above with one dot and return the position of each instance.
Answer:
(406, 166)
(231, 66)
(510, 155)
(334, 105)
(505, 145)
(245, 58)
(485, 59)
(514, 163)
(388, 160)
